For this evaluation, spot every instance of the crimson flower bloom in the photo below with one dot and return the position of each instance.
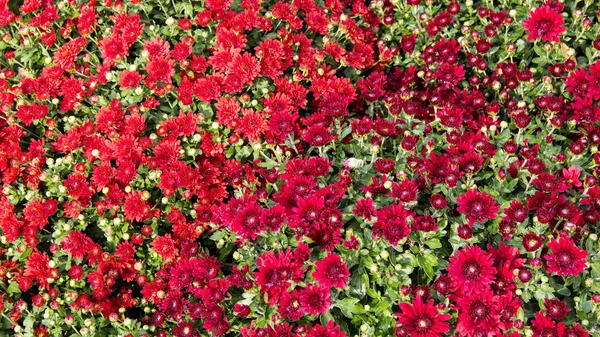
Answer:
(566, 258)
(471, 269)
(275, 273)
(331, 272)
(543, 325)
(478, 315)
(422, 320)
(315, 299)
(477, 207)
(545, 24)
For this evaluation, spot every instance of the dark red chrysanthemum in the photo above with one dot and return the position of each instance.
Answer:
(566, 258)
(37, 268)
(471, 269)
(545, 24)
(556, 308)
(422, 319)
(477, 207)
(393, 223)
(275, 273)
(77, 244)
(315, 299)
(331, 272)
(165, 247)
(478, 315)
(543, 326)
(331, 330)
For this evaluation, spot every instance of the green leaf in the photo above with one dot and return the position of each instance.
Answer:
(433, 243)
(426, 265)
(348, 306)
(359, 283)
(13, 288)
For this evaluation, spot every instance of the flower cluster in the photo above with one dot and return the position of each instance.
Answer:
(299, 168)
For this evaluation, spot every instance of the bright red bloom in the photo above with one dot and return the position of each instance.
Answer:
(471, 270)
(566, 258)
(135, 208)
(423, 319)
(77, 244)
(37, 269)
(130, 79)
(28, 113)
(545, 24)
(331, 272)
(165, 247)
(289, 305)
(477, 207)
(315, 299)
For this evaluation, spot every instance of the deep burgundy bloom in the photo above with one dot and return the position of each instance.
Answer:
(471, 270)
(477, 207)
(332, 272)
(423, 319)
(566, 258)
(545, 24)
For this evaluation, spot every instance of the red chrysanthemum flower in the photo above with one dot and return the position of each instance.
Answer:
(477, 207)
(332, 272)
(545, 24)
(556, 308)
(331, 330)
(315, 299)
(252, 125)
(543, 326)
(393, 223)
(157, 48)
(566, 258)
(247, 223)
(471, 270)
(275, 273)
(165, 247)
(478, 315)
(77, 244)
(422, 319)
(317, 135)
(130, 79)
(37, 269)
(289, 305)
(136, 208)
(160, 69)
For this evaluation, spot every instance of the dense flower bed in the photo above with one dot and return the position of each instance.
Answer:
(299, 168)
